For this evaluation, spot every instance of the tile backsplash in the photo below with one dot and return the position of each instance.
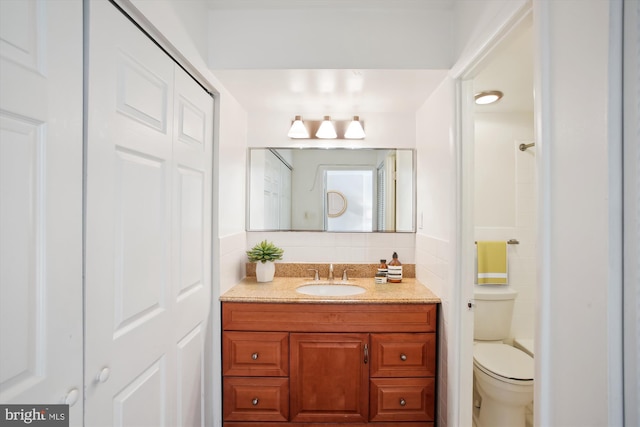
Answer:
(353, 270)
(351, 248)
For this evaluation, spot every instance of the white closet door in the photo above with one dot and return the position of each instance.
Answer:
(41, 203)
(148, 231)
(191, 244)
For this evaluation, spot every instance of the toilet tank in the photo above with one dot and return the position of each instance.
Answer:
(493, 312)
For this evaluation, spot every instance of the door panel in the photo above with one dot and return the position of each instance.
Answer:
(148, 230)
(190, 367)
(329, 377)
(21, 173)
(145, 391)
(193, 158)
(41, 202)
(141, 239)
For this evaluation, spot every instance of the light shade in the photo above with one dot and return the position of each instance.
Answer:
(298, 129)
(488, 97)
(326, 130)
(354, 130)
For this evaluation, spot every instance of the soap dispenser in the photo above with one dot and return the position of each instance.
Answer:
(394, 270)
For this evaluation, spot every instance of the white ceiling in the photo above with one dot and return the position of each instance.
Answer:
(335, 91)
(509, 69)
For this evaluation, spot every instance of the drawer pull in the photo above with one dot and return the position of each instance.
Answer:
(402, 402)
(254, 356)
(403, 357)
(255, 401)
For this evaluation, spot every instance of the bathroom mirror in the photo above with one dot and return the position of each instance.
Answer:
(337, 190)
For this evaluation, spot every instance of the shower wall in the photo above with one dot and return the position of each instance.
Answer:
(505, 202)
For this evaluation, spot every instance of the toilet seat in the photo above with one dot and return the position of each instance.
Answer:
(504, 362)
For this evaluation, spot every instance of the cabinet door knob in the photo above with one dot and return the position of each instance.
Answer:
(255, 401)
(403, 357)
(402, 402)
(254, 356)
(366, 354)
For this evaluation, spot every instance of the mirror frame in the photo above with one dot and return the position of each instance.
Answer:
(248, 188)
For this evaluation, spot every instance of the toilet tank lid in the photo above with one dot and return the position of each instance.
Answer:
(494, 292)
(504, 360)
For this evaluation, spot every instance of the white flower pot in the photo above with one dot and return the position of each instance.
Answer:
(265, 271)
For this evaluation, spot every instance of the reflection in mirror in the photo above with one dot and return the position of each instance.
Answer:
(342, 190)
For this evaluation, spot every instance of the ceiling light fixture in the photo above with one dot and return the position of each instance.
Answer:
(326, 130)
(298, 129)
(355, 130)
(488, 97)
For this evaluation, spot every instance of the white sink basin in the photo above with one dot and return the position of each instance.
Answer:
(330, 289)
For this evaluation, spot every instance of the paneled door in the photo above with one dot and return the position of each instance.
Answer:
(148, 233)
(329, 377)
(41, 203)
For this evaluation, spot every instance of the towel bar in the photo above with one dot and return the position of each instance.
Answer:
(510, 242)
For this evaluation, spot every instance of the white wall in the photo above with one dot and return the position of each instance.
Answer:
(230, 168)
(505, 203)
(322, 247)
(576, 351)
(477, 23)
(320, 36)
(435, 264)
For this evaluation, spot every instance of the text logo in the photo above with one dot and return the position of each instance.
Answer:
(34, 415)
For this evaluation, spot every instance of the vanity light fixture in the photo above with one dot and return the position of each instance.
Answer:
(298, 129)
(326, 130)
(354, 130)
(488, 97)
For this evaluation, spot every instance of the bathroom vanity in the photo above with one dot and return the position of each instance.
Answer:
(294, 359)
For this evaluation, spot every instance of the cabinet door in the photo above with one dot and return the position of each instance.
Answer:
(329, 377)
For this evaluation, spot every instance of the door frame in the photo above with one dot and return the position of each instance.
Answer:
(461, 343)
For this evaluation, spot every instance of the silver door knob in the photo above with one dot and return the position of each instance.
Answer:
(402, 402)
(403, 357)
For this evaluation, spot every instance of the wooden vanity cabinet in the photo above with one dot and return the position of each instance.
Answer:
(314, 364)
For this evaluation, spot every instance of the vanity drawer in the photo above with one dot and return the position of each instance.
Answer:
(256, 399)
(255, 354)
(403, 355)
(329, 317)
(402, 399)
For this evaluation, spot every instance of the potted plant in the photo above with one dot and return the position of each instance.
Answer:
(264, 254)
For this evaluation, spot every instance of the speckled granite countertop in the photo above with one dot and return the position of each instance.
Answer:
(283, 290)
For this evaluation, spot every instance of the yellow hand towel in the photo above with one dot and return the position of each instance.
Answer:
(492, 263)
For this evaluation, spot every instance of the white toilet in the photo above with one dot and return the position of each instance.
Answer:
(503, 375)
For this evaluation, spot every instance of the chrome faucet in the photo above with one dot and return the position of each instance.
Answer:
(330, 272)
(315, 275)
